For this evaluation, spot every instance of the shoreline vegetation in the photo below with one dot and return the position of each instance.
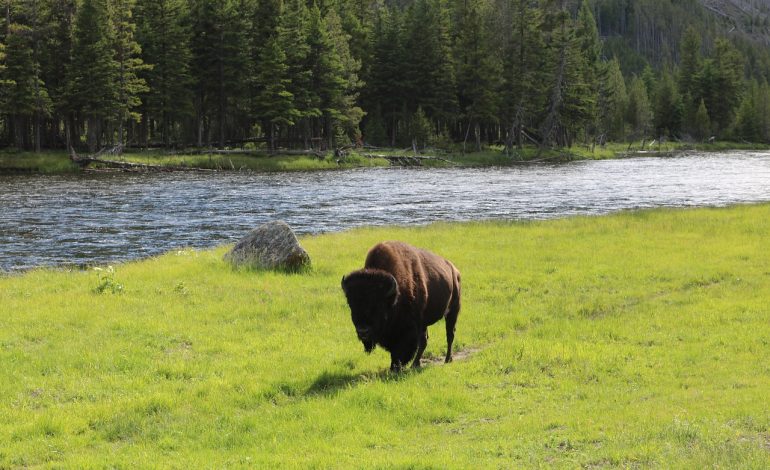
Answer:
(650, 351)
(59, 162)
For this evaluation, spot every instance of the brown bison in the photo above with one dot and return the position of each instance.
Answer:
(399, 293)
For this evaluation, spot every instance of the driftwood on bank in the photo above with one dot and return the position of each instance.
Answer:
(562, 157)
(255, 153)
(408, 160)
(85, 161)
(261, 153)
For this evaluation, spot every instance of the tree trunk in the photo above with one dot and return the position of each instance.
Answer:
(37, 133)
(91, 134)
(467, 133)
(200, 131)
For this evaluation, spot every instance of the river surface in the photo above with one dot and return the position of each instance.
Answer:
(100, 219)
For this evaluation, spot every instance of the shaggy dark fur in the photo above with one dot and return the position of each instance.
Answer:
(399, 293)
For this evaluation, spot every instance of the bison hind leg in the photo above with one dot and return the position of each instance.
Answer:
(451, 320)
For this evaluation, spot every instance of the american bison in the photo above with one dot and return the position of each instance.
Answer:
(399, 293)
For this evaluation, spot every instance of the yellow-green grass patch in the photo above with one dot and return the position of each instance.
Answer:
(640, 339)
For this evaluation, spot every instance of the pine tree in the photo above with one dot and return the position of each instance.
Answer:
(613, 101)
(689, 68)
(749, 120)
(420, 129)
(571, 100)
(443, 97)
(521, 94)
(639, 113)
(24, 96)
(55, 53)
(374, 129)
(763, 110)
(264, 24)
(328, 71)
(592, 70)
(275, 103)
(91, 78)
(46, 65)
(164, 37)
(721, 82)
(385, 90)
(429, 80)
(668, 107)
(128, 84)
(220, 61)
(293, 37)
(348, 113)
(478, 70)
(265, 19)
(357, 17)
(701, 125)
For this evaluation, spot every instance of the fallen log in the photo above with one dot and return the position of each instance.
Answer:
(558, 158)
(84, 162)
(408, 160)
(259, 153)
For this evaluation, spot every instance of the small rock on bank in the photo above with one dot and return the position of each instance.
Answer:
(269, 246)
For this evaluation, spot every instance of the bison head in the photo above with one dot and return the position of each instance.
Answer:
(372, 295)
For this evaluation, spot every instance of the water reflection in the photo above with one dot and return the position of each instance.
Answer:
(47, 220)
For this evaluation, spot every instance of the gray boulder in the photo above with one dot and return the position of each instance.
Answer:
(269, 246)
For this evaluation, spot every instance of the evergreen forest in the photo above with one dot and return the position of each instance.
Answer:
(323, 74)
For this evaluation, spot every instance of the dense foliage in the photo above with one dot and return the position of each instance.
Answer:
(326, 73)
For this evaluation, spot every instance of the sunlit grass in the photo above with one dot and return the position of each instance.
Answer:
(637, 339)
(262, 163)
(58, 162)
(28, 162)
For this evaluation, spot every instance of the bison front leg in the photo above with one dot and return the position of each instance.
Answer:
(404, 350)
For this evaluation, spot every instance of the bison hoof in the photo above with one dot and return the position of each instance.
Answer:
(416, 365)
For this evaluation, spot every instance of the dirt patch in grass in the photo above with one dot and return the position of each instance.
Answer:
(459, 355)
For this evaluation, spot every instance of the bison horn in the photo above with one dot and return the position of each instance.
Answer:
(344, 279)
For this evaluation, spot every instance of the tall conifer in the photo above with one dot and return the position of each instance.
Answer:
(25, 96)
(91, 77)
(275, 103)
(478, 70)
(522, 95)
(164, 37)
(129, 65)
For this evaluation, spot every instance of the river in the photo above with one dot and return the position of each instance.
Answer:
(99, 219)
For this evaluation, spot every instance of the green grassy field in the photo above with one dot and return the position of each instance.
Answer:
(640, 339)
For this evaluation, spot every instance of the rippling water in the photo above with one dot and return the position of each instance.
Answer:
(97, 219)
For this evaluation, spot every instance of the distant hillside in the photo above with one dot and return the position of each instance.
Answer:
(751, 17)
(641, 32)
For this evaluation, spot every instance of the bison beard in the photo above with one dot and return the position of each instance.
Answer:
(400, 292)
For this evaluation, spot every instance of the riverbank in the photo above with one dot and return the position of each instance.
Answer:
(636, 339)
(60, 163)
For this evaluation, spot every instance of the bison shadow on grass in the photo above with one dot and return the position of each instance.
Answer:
(329, 383)
(399, 293)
